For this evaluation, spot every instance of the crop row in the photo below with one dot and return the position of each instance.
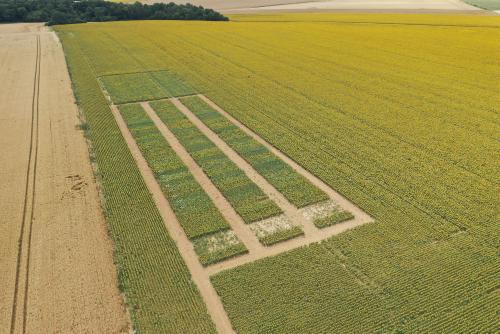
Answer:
(218, 247)
(275, 230)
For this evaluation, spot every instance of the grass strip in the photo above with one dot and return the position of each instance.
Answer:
(244, 196)
(195, 210)
(218, 247)
(296, 188)
(335, 217)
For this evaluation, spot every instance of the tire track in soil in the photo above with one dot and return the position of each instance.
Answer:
(29, 201)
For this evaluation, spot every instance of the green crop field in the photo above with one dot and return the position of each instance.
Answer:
(398, 113)
(485, 4)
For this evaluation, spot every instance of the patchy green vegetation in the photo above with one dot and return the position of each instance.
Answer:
(281, 235)
(275, 229)
(244, 196)
(144, 86)
(333, 218)
(297, 189)
(134, 87)
(172, 83)
(485, 4)
(217, 247)
(194, 209)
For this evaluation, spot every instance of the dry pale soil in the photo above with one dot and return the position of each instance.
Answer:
(56, 263)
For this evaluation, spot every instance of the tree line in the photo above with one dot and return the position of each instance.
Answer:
(80, 11)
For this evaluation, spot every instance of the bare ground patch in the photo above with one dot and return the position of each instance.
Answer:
(56, 264)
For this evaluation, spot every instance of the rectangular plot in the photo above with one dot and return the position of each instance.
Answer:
(217, 247)
(326, 214)
(194, 209)
(276, 229)
(296, 188)
(245, 197)
(172, 83)
(125, 88)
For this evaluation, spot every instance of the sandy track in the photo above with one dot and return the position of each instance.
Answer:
(65, 274)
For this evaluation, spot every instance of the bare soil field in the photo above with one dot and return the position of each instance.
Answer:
(256, 6)
(56, 265)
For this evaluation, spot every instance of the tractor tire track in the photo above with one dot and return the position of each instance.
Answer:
(29, 203)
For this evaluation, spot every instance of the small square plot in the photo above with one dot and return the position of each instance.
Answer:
(126, 88)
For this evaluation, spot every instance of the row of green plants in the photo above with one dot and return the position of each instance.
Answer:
(199, 217)
(282, 235)
(217, 247)
(335, 217)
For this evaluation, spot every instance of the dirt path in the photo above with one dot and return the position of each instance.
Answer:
(56, 267)
(198, 273)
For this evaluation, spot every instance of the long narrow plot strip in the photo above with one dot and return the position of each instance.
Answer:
(194, 209)
(244, 196)
(296, 188)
